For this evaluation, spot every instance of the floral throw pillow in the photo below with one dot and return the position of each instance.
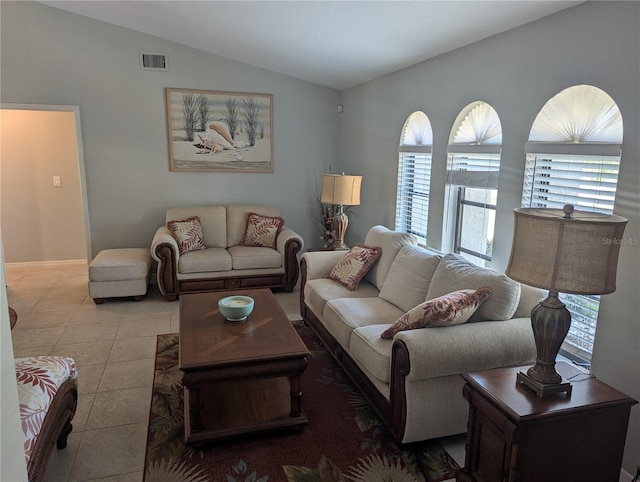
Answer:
(188, 234)
(354, 265)
(451, 309)
(262, 231)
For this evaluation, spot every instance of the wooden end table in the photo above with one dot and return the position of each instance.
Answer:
(239, 377)
(515, 436)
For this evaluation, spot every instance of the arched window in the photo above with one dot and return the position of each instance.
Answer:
(573, 156)
(414, 176)
(473, 166)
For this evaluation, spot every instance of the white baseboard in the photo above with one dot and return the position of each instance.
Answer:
(47, 264)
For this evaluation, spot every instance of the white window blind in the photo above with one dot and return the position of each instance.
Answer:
(573, 157)
(412, 205)
(474, 169)
(587, 182)
(414, 176)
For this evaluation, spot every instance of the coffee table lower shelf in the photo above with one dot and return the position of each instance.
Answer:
(238, 407)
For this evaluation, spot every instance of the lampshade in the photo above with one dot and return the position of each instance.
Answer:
(566, 251)
(341, 189)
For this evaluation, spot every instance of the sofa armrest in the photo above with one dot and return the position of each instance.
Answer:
(320, 263)
(284, 236)
(289, 244)
(164, 249)
(454, 350)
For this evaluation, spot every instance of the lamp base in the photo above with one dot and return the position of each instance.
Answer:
(340, 223)
(543, 390)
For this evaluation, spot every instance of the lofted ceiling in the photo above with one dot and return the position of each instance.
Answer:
(338, 44)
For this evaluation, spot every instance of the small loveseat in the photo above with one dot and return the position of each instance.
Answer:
(224, 263)
(413, 380)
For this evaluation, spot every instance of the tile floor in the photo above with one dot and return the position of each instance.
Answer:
(113, 345)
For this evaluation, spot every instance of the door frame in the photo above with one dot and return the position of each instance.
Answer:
(81, 170)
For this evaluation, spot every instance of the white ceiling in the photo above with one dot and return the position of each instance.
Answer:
(338, 44)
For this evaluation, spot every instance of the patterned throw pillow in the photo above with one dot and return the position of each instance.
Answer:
(262, 230)
(447, 310)
(354, 265)
(188, 234)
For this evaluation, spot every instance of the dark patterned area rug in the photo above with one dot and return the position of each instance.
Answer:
(344, 440)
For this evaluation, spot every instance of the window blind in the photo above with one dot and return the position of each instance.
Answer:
(587, 182)
(475, 169)
(412, 204)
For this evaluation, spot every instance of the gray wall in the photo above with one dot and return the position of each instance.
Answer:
(53, 57)
(516, 72)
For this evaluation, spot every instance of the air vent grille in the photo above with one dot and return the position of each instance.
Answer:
(150, 61)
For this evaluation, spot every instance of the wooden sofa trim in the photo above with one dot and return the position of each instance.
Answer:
(393, 412)
(56, 427)
(172, 287)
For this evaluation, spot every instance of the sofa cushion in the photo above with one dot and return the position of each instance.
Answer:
(318, 291)
(213, 220)
(210, 259)
(390, 242)
(370, 350)
(252, 257)
(407, 282)
(456, 273)
(447, 310)
(237, 220)
(187, 233)
(354, 265)
(262, 231)
(341, 316)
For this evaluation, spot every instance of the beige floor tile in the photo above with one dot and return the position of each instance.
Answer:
(93, 353)
(33, 337)
(119, 407)
(130, 477)
(127, 374)
(148, 306)
(144, 326)
(455, 446)
(44, 320)
(87, 317)
(89, 378)
(133, 349)
(63, 304)
(85, 402)
(110, 451)
(89, 333)
(22, 352)
(112, 305)
(61, 461)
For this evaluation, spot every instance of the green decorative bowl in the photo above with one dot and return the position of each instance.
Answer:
(236, 308)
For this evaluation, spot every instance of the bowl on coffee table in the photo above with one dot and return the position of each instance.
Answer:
(236, 308)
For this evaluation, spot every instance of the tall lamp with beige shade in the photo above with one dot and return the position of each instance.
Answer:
(561, 250)
(342, 191)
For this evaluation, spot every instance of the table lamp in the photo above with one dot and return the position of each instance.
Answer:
(342, 191)
(561, 250)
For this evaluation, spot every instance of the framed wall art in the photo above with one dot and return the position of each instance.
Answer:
(219, 131)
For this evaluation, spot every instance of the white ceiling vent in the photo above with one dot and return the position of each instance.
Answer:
(151, 61)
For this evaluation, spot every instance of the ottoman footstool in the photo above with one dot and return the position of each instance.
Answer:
(117, 273)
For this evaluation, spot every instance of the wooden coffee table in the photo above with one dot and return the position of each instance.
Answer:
(239, 377)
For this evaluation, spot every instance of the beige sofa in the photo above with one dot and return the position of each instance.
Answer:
(413, 381)
(225, 264)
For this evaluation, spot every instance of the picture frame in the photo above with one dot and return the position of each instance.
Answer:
(219, 131)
